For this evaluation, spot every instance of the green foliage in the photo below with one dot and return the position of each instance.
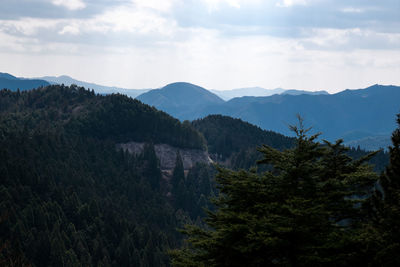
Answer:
(305, 211)
(226, 136)
(68, 197)
(233, 143)
(82, 113)
(383, 231)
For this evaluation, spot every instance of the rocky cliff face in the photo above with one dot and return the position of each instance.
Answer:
(167, 154)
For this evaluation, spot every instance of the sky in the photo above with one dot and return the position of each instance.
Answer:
(218, 44)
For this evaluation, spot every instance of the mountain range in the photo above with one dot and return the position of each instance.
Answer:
(259, 91)
(100, 89)
(363, 117)
(361, 113)
(83, 181)
(13, 83)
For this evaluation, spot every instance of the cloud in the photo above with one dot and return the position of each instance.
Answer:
(131, 20)
(70, 29)
(159, 5)
(289, 3)
(350, 39)
(352, 10)
(70, 4)
(307, 44)
(26, 26)
(214, 5)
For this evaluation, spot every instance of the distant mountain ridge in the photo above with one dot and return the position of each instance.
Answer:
(304, 92)
(370, 110)
(259, 91)
(13, 83)
(181, 99)
(101, 89)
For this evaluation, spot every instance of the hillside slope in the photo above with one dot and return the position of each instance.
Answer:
(8, 81)
(369, 111)
(181, 100)
(69, 197)
(100, 89)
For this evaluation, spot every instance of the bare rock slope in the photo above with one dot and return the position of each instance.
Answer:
(167, 154)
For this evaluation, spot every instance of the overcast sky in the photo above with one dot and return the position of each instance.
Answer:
(218, 44)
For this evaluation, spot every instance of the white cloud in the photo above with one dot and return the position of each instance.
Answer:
(70, 4)
(159, 5)
(70, 29)
(240, 53)
(214, 5)
(27, 26)
(131, 19)
(352, 10)
(289, 3)
(350, 39)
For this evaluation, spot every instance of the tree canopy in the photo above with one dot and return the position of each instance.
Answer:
(305, 211)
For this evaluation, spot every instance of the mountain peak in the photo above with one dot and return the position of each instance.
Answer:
(180, 97)
(14, 83)
(183, 86)
(7, 76)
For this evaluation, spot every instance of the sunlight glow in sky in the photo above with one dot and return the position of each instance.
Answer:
(218, 44)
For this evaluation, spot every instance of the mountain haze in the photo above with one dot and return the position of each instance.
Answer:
(250, 91)
(100, 89)
(181, 99)
(259, 91)
(13, 83)
(304, 92)
(370, 110)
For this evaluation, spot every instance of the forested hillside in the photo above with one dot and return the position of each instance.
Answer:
(315, 206)
(235, 143)
(70, 198)
(13, 83)
(351, 113)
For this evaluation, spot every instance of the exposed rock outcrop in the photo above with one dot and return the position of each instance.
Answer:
(167, 154)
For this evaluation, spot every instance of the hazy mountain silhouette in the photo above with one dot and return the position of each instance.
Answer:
(303, 92)
(101, 89)
(182, 100)
(371, 110)
(259, 91)
(13, 83)
(250, 91)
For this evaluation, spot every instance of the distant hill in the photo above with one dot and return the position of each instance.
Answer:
(303, 92)
(13, 83)
(181, 99)
(250, 91)
(259, 91)
(371, 110)
(100, 89)
(371, 143)
(234, 142)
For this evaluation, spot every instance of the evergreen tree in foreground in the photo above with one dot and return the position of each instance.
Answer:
(305, 211)
(385, 210)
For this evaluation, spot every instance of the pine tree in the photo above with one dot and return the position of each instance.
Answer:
(384, 232)
(305, 211)
(178, 182)
(152, 168)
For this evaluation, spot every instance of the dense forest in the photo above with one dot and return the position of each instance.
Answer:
(69, 197)
(234, 143)
(316, 207)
